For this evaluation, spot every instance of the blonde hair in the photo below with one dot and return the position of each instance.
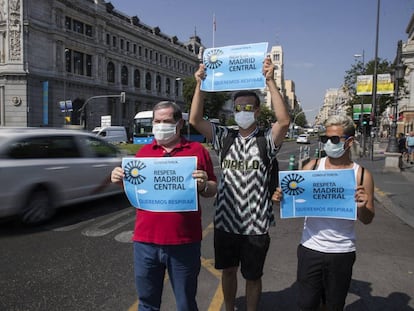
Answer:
(342, 120)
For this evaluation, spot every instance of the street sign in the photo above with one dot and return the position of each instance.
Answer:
(356, 110)
(105, 121)
(65, 105)
(364, 85)
(384, 84)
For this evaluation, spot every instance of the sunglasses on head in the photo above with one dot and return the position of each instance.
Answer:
(247, 107)
(333, 139)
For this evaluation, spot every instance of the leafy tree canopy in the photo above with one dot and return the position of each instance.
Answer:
(298, 116)
(213, 102)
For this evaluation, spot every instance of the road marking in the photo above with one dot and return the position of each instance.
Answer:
(207, 230)
(99, 229)
(124, 237)
(134, 307)
(72, 227)
(217, 300)
(380, 192)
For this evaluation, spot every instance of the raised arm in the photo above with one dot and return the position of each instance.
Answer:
(197, 106)
(281, 126)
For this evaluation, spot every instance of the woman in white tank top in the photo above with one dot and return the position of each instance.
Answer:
(326, 253)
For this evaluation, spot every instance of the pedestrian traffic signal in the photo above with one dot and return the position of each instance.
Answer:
(365, 120)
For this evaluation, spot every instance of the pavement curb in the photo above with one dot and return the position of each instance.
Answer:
(396, 202)
(382, 198)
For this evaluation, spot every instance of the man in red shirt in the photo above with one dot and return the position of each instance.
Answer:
(170, 240)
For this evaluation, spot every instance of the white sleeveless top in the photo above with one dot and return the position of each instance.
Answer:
(329, 235)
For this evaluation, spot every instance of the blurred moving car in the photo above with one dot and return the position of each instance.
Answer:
(303, 139)
(42, 169)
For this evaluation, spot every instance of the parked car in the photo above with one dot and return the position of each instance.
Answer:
(42, 169)
(112, 134)
(303, 139)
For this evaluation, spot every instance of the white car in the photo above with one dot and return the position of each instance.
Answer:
(42, 169)
(303, 139)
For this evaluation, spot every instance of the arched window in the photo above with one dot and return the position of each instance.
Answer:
(110, 71)
(158, 83)
(137, 78)
(148, 81)
(177, 81)
(168, 86)
(124, 75)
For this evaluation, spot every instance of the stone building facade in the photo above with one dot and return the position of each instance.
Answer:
(406, 100)
(68, 51)
(276, 55)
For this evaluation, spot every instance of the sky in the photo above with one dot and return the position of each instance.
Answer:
(320, 38)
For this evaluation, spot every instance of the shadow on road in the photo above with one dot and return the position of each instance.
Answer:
(285, 300)
(394, 301)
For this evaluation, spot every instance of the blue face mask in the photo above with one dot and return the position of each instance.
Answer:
(334, 150)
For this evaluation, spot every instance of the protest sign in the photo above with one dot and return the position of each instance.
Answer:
(327, 193)
(236, 67)
(161, 184)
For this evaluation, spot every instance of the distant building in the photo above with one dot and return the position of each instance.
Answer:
(290, 94)
(276, 54)
(406, 100)
(335, 102)
(57, 52)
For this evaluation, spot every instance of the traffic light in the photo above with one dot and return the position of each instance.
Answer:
(366, 127)
(365, 120)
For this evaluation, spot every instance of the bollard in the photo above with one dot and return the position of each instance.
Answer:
(291, 163)
(316, 153)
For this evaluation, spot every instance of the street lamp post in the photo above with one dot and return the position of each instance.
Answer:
(374, 82)
(361, 118)
(292, 125)
(398, 74)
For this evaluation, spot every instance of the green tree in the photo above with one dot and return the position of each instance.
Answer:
(266, 116)
(213, 103)
(301, 120)
(298, 116)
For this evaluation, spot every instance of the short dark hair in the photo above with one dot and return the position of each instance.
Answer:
(177, 113)
(247, 93)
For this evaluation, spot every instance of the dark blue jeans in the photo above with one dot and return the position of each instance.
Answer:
(183, 265)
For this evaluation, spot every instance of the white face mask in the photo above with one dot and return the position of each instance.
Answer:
(244, 119)
(164, 132)
(334, 150)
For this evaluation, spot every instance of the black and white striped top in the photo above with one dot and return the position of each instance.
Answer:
(243, 204)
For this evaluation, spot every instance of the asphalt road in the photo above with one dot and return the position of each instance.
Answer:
(82, 260)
